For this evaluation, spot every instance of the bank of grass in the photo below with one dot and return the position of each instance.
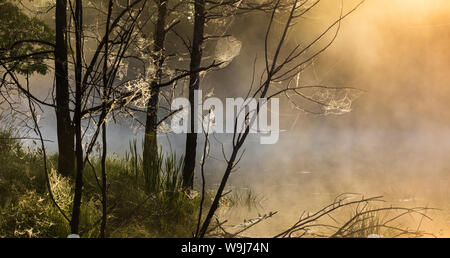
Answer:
(138, 205)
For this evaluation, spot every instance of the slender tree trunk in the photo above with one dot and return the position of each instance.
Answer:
(219, 194)
(66, 158)
(104, 194)
(151, 127)
(194, 84)
(77, 118)
(104, 112)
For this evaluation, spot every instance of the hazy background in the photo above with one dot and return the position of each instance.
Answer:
(394, 143)
(396, 140)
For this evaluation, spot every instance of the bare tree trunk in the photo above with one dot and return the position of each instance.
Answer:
(223, 183)
(194, 84)
(151, 127)
(104, 194)
(104, 112)
(66, 158)
(75, 221)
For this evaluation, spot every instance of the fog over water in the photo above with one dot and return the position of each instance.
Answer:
(396, 140)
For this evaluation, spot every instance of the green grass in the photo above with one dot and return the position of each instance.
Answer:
(140, 204)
